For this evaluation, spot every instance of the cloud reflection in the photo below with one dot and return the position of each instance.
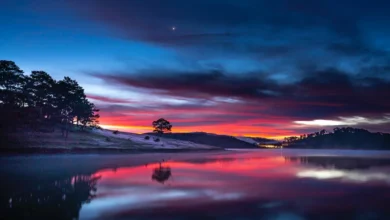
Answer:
(354, 176)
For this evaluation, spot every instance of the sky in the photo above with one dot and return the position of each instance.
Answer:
(237, 67)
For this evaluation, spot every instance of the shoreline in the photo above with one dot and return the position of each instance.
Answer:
(132, 151)
(84, 150)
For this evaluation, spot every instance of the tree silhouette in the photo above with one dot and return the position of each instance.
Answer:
(70, 95)
(39, 98)
(40, 92)
(74, 106)
(345, 137)
(88, 115)
(161, 126)
(12, 82)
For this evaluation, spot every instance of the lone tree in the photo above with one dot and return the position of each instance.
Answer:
(162, 126)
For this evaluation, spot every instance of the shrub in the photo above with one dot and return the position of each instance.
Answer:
(108, 139)
(147, 137)
(115, 132)
(157, 139)
(97, 127)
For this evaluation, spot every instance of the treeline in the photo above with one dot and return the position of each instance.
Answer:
(340, 138)
(31, 101)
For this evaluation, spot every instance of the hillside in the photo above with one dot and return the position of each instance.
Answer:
(153, 141)
(223, 141)
(93, 139)
(341, 138)
(254, 140)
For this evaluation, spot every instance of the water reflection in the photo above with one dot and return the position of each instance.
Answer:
(61, 199)
(245, 185)
(343, 163)
(346, 169)
(346, 175)
(161, 174)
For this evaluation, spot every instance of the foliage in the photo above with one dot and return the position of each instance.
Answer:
(162, 126)
(346, 137)
(157, 140)
(39, 92)
(115, 132)
(12, 82)
(147, 137)
(50, 100)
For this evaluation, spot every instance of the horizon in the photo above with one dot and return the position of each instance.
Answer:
(281, 139)
(239, 68)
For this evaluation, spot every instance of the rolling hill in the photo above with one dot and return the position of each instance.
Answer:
(223, 141)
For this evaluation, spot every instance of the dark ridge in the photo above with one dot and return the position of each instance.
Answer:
(341, 138)
(223, 141)
(260, 139)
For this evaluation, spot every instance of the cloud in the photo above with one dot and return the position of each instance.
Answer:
(346, 121)
(108, 99)
(194, 84)
(222, 102)
(203, 13)
(325, 93)
(152, 20)
(244, 64)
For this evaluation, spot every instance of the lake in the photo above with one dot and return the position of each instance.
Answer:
(258, 184)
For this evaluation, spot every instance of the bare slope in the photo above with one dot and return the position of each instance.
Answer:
(223, 141)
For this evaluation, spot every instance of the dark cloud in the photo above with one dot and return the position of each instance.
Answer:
(108, 99)
(325, 93)
(380, 71)
(196, 84)
(356, 49)
(332, 33)
(151, 18)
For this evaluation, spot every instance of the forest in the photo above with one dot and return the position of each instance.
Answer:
(37, 102)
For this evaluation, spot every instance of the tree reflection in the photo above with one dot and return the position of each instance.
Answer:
(58, 200)
(161, 174)
(343, 163)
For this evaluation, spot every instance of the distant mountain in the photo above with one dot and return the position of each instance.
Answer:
(341, 138)
(255, 140)
(264, 140)
(223, 141)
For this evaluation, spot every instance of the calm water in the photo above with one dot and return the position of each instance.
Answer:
(251, 185)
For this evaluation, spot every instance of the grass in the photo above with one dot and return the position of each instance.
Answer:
(79, 139)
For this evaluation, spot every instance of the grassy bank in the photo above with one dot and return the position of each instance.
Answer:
(93, 141)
